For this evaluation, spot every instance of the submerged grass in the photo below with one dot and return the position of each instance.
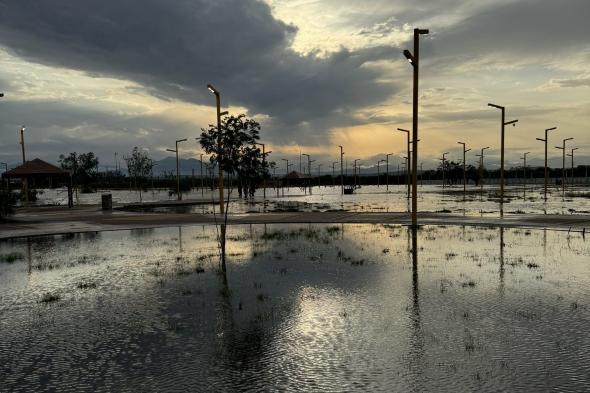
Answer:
(11, 257)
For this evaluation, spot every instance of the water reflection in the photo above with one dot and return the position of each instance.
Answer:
(300, 308)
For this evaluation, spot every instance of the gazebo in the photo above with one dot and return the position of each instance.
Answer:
(38, 169)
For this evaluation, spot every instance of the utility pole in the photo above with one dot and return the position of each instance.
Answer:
(464, 172)
(546, 140)
(414, 61)
(503, 124)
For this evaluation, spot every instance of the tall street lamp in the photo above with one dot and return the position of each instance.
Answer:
(504, 123)
(387, 171)
(341, 169)
(264, 166)
(319, 175)
(414, 60)
(219, 153)
(546, 140)
(355, 171)
(25, 180)
(408, 153)
(379, 173)
(308, 169)
(524, 173)
(334, 173)
(563, 175)
(464, 172)
(572, 156)
(179, 196)
(443, 168)
(481, 171)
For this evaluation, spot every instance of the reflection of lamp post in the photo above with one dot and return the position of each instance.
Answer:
(179, 196)
(414, 61)
(408, 153)
(524, 174)
(504, 123)
(219, 155)
(563, 175)
(546, 140)
(464, 172)
(572, 156)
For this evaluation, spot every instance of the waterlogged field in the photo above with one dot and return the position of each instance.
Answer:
(431, 198)
(314, 308)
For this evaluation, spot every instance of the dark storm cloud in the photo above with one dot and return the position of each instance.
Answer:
(175, 48)
(524, 30)
(55, 128)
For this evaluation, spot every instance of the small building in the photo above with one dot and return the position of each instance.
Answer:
(37, 171)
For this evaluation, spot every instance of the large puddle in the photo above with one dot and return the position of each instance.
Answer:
(312, 308)
(431, 198)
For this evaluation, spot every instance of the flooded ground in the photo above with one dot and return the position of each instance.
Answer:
(313, 308)
(432, 198)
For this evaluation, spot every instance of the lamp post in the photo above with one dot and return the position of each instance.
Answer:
(334, 173)
(414, 61)
(264, 166)
(524, 174)
(179, 196)
(319, 175)
(464, 172)
(379, 173)
(443, 168)
(481, 171)
(563, 175)
(202, 180)
(341, 170)
(572, 156)
(355, 171)
(308, 170)
(408, 153)
(220, 157)
(25, 180)
(387, 171)
(546, 140)
(504, 123)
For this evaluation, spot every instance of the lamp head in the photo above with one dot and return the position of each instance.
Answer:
(551, 129)
(409, 56)
(212, 89)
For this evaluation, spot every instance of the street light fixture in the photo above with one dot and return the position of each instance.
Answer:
(464, 172)
(387, 171)
(443, 169)
(504, 123)
(341, 169)
(408, 153)
(178, 195)
(563, 174)
(546, 140)
(379, 173)
(572, 156)
(524, 173)
(219, 158)
(414, 61)
(264, 166)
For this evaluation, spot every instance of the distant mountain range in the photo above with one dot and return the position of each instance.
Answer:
(187, 166)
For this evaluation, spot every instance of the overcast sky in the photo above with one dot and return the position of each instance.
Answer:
(108, 75)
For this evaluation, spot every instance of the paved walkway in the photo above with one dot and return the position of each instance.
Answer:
(56, 220)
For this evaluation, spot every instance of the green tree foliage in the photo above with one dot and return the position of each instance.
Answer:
(235, 149)
(139, 167)
(83, 167)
